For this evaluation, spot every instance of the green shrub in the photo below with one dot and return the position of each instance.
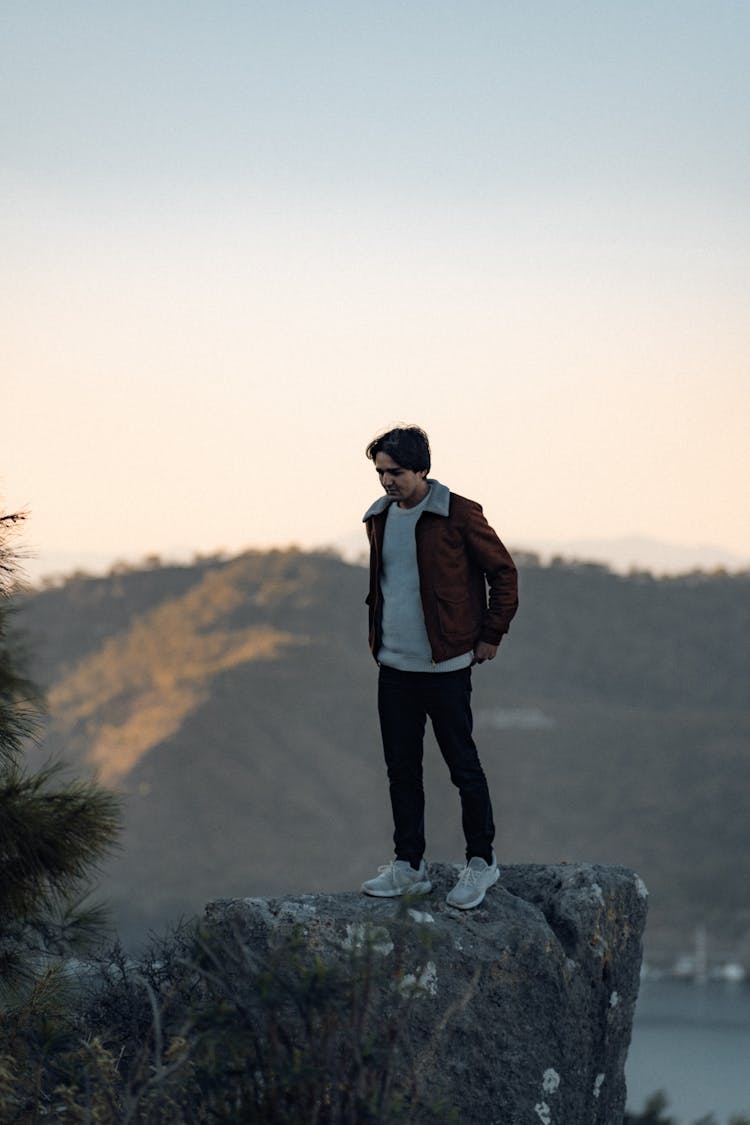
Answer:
(205, 1028)
(653, 1113)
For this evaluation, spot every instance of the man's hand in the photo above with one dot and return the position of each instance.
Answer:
(482, 652)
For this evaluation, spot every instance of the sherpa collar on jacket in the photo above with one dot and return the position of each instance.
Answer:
(438, 501)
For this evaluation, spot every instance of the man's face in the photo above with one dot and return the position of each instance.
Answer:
(404, 485)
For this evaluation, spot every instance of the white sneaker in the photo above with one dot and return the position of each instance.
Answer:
(398, 878)
(473, 883)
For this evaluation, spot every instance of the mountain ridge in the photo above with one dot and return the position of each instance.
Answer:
(613, 728)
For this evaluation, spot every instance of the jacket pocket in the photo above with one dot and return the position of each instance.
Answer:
(456, 616)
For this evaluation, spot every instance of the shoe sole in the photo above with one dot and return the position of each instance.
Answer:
(415, 889)
(474, 902)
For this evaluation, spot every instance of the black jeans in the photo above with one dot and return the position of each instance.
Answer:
(405, 699)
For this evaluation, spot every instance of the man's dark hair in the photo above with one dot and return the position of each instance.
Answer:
(409, 447)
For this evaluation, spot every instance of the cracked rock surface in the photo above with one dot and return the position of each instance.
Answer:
(521, 1009)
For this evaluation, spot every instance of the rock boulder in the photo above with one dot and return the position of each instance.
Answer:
(521, 1010)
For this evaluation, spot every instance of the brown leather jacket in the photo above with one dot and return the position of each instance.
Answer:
(459, 556)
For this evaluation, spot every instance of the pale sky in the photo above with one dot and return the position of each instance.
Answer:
(241, 238)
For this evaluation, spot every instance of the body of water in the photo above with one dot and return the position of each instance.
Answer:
(693, 1042)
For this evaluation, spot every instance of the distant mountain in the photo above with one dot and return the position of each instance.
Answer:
(634, 552)
(233, 703)
(623, 554)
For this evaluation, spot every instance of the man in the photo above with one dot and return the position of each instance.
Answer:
(432, 558)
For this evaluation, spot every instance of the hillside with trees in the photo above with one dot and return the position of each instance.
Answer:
(232, 703)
